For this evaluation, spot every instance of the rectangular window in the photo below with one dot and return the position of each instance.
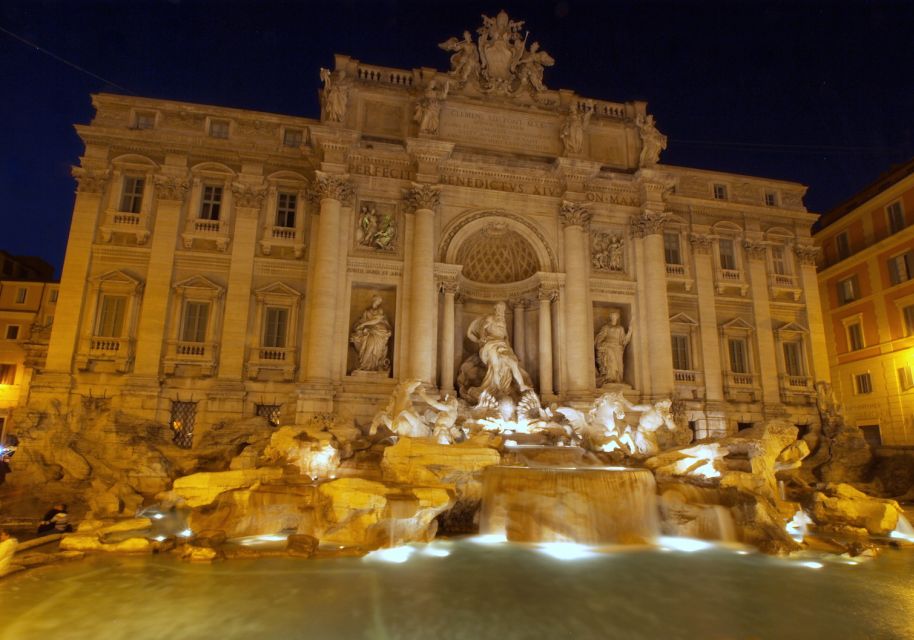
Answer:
(907, 315)
(739, 355)
(855, 336)
(219, 129)
(905, 378)
(145, 120)
(53, 296)
(901, 267)
(847, 290)
(671, 248)
(895, 214)
(183, 418)
(12, 332)
(111, 316)
(292, 138)
(193, 326)
(212, 202)
(871, 435)
(793, 359)
(727, 253)
(742, 426)
(21, 294)
(681, 353)
(843, 245)
(275, 324)
(285, 209)
(7, 373)
(779, 260)
(132, 194)
(720, 192)
(771, 199)
(863, 383)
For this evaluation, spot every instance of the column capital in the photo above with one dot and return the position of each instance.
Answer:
(574, 214)
(422, 196)
(247, 195)
(701, 243)
(547, 294)
(90, 181)
(807, 253)
(449, 287)
(648, 223)
(755, 250)
(170, 187)
(519, 301)
(333, 186)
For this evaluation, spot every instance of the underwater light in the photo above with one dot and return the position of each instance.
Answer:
(397, 555)
(687, 545)
(566, 550)
(812, 565)
(186, 533)
(436, 552)
(491, 538)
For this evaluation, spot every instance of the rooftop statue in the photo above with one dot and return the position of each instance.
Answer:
(428, 108)
(335, 95)
(499, 62)
(652, 141)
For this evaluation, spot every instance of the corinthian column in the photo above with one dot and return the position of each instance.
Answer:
(649, 227)
(546, 296)
(579, 332)
(447, 337)
(806, 257)
(331, 190)
(519, 305)
(422, 199)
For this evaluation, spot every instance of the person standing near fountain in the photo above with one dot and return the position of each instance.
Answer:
(502, 365)
(610, 347)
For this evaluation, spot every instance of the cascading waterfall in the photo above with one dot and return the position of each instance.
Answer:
(590, 505)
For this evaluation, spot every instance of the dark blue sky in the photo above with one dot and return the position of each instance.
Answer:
(817, 92)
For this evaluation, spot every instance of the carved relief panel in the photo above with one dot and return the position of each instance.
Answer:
(378, 229)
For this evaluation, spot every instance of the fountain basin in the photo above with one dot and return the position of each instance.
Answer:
(591, 505)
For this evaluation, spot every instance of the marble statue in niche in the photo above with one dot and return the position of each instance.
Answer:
(376, 230)
(428, 108)
(572, 132)
(335, 95)
(607, 252)
(369, 337)
(652, 141)
(503, 371)
(610, 346)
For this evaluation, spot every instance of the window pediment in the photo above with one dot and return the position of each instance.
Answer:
(683, 319)
(117, 281)
(199, 286)
(277, 291)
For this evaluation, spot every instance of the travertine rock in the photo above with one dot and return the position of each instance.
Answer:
(423, 462)
(302, 545)
(83, 542)
(314, 452)
(192, 553)
(200, 489)
(261, 510)
(357, 512)
(841, 504)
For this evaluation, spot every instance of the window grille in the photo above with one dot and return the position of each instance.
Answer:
(270, 412)
(183, 417)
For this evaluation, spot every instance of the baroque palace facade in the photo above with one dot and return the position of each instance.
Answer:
(225, 263)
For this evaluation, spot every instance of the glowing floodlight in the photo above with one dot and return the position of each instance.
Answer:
(492, 538)
(159, 538)
(686, 545)
(395, 555)
(436, 552)
(186, 533)
(566, 550)
(812, 564)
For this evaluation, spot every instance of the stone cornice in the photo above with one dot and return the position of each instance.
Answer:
(247, 195)
(755, 250)
(807, 253)
(701, 243)
(170, 187)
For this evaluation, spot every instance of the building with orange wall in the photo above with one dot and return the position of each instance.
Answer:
(866, 280)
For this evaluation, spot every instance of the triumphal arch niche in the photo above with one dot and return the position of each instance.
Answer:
(229, 262)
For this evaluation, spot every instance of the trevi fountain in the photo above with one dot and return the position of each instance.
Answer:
(483, 510)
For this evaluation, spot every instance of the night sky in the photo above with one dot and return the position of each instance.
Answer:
(819, 93)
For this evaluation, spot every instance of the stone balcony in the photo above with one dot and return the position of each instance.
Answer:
(678, 275)
(782, 285)
(689, 384)
(272, 362)
(125, 223)
(192, 357)
(797, 389)
(742, 387)
(101, 349)
(731, 280)
(200, 229)
(283, 237)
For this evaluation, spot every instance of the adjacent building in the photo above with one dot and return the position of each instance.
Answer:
(866, 273)
(225, 263)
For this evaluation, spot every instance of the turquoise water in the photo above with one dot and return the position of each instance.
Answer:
(467, 590)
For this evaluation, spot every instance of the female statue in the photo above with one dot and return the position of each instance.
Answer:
(610, 346)
(370, 336)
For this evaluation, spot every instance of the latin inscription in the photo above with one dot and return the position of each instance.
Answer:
(506, 130)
